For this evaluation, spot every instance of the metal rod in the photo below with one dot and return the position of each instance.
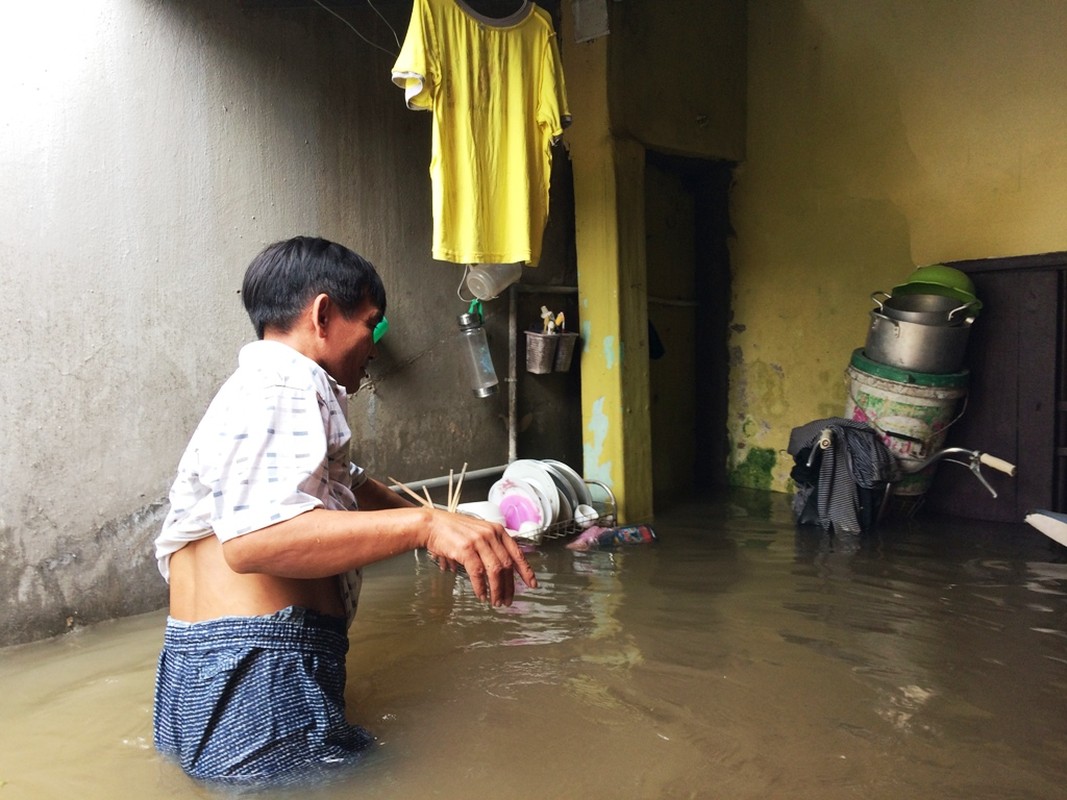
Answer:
(531, 288)
(442, 480)
(513, 382)
(667, 301)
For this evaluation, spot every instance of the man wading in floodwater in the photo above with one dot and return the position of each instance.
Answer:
(263, 543)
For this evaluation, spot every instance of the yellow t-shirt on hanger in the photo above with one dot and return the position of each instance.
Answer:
(496, 90)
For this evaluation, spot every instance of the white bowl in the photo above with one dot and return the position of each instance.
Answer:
(484, 509)
(585, 515)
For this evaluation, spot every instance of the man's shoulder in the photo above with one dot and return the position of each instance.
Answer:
(269, 364)
(250, 390)
(273, 387)
(268, 370)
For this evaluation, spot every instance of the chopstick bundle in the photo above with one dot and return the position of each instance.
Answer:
(417, 498)
(453, 493)
(453, 497)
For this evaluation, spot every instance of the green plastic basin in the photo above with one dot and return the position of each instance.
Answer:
(939, 274)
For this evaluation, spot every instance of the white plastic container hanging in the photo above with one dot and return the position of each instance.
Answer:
(487, 281)
(475, 347)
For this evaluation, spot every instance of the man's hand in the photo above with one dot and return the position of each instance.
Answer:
(484, 549)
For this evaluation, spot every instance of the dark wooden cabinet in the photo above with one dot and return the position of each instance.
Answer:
(1016, 400)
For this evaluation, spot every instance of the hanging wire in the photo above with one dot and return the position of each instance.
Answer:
(390, 27)
(462, 280)
(324, 7)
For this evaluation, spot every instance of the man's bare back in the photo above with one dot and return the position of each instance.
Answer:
(203, 587)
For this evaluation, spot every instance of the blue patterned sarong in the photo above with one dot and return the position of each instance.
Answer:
(248, 700)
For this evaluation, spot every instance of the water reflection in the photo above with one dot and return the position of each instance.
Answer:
(578, 603)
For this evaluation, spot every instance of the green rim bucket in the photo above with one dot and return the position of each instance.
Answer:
(911, 410)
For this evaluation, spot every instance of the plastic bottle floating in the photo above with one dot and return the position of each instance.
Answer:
(596, 537)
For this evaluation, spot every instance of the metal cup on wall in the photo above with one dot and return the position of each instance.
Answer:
(565, 351)
(541, 351)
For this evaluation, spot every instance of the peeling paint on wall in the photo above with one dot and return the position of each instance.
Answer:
(610, 352)
(759, 391)
(764, 387)
(758, 400)
(593, 452)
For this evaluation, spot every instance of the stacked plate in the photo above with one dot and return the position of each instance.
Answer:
(535, 494)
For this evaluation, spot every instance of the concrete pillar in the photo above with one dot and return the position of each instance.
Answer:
(612, 287)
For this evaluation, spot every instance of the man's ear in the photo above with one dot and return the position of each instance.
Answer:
(322, 310)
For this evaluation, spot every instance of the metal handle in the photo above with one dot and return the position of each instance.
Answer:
(956, 311)
(997, 463)
(880, 303)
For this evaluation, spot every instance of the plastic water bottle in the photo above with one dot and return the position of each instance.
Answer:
(596, 537)
(626, 534)
(475, 347)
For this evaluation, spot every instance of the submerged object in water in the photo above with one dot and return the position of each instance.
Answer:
(596, 536)
(1053, 525)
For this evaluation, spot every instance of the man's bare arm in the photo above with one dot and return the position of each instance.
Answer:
(321, 543)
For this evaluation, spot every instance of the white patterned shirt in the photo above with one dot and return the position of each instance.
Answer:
(273, 444)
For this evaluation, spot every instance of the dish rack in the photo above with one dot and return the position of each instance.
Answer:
(606, 506)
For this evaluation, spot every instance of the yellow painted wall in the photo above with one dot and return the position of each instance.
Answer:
(678, 75)
(882, 135)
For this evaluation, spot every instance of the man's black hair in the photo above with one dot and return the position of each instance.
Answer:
(287, 275)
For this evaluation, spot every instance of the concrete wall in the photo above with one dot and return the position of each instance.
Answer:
(150, 149)
(882, 135)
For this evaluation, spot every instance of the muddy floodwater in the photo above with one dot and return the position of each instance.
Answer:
(737, 657)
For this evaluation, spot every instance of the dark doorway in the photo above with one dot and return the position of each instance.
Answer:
(687, 228)
(1017, 396)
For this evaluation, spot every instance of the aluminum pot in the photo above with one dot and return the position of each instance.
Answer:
(927, 309)
(934, 349)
